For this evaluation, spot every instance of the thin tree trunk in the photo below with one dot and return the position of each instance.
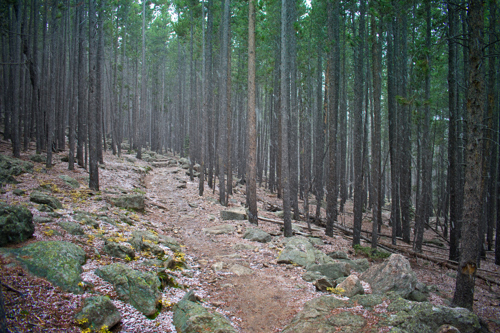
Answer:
(251, 124)
(92, 100)
(358, 130)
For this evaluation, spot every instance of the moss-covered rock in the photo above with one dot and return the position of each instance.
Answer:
(98, 312)
(329, 314)
(118, 250)
(10, 167)
(46, 199)
(143, 240)
(394, 274)
(72, 228)
(58, 262)
(73, 183)
(140, 289)
(299, 251)
(130, 201)
(191, 317)
(16, 224)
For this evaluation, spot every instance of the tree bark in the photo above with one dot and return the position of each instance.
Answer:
(333, 106)
(284, 93)
(358, 129)
(92, 100)
(466, 275)
(251, 122)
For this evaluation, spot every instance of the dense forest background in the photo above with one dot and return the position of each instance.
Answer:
(388, 103)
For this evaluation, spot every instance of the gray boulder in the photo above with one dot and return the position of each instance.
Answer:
(219, 229)
(405, 316)
(42, 219)
(98, 312)
(143, 240)
(332, 271)
(58, 262)
(244, 247)
(394, 274)
(10, 167)
(351, 286)
(358, 265)
(311, 276)
(72, 228)
(38, 158)
(240, 270)
(70, 181)
(338, 255)
(426, 317)
(191, 317)
(236, 213)
(129, 201)
(170, 242)
(140, 289)
(299, 251)
(257, 235)
(118, 250)
(18, 192)
(46, 199)
(16, 224)
(323, 284)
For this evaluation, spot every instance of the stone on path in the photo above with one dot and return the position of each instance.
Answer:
(16, 224)
(140, 289)
(58, 262)
(98, 312)
(191, 317)
(143, 240)
(332, 271)
(118, 250)
(219, 229)
(351, 286)
(394, 274)
(330, 314)
(299, 251)
(240, 270)
(130, 201)
(257, 235)
(72, 228)
(43, 198)
(237, 213)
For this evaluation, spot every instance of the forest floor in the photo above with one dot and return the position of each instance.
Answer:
(264, 301)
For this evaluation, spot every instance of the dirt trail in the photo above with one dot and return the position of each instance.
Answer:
(264, 301)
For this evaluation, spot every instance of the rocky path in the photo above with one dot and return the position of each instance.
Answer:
(261, 299)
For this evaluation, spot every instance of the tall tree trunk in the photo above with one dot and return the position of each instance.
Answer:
(393, 137)
(422, 215)
(92, 100)
(223, 105)
(16, 74)
(293, 153)
(284, 93)
(74, 96)
(333, 106)
(251, 122)
(319, 138)
(376, 147)
(405, 128)
(466, 274)
(358, 129)
(82, 91)
(453, 165)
